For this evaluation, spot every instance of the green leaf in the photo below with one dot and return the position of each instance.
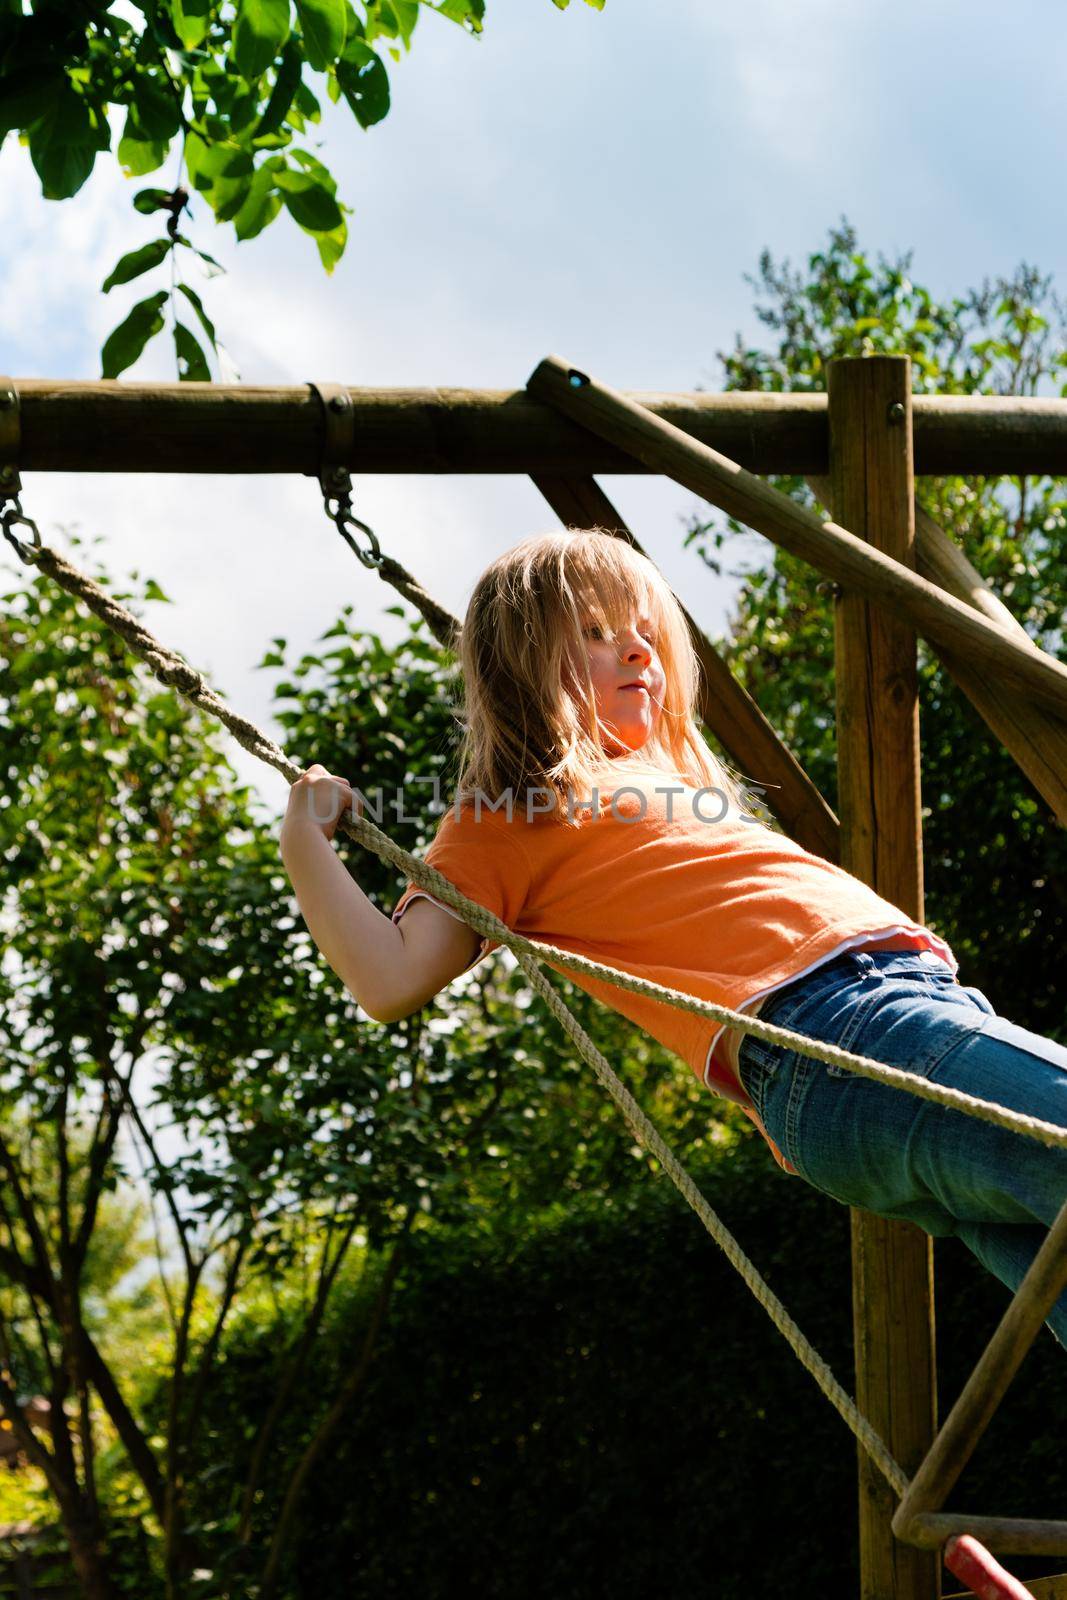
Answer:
(309, 202)
(138, 261)
(245, 110)
(147, 201)
(219, 269)
(123, 346)
(222, 172)
(314, 166)
(404, 14)
(261, 29)
(192, 362)
(468, 12)
(191, 20)
(198, 306)
(286, 82)
(155, 109)
(364, 84)
(228, 199)
(332, 245)
(307, 104)
(323, 24)
(138, 156)
(261, 206)
(27, 94)
(63, 144)
(209, 164)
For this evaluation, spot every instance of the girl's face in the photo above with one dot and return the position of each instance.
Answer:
(628, 682)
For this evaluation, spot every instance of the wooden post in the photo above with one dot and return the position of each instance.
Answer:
(872, 478)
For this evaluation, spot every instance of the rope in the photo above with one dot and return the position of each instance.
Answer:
(173, 670)
(443, 625)
(647, 1134)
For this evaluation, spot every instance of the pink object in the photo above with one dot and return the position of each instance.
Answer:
(973, 1565)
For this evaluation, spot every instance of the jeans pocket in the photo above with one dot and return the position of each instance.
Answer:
(757, 1064)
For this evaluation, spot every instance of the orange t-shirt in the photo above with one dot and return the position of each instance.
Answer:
(666, 882)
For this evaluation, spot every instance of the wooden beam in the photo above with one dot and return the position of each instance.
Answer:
(919, 1517)
(1036, 740)
(880, 808)
(109, 425)
(832, 549)
(726, 707)
(1054, 1588)
(1013, 1536)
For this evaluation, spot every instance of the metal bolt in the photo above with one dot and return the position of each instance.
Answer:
(6, 474)
(339, 402)
(338, 475)
(895, 414)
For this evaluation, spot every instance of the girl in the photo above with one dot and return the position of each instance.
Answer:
(590, 814)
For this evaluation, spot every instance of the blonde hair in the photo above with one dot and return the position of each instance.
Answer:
(529, 719)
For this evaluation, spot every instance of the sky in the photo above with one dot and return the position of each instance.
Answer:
(595, 185)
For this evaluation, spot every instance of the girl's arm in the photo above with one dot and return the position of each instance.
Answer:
(391, 969)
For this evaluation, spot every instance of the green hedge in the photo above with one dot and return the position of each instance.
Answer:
(600, 1406)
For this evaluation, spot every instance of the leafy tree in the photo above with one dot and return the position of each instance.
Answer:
(983, 822)
(237, 85)
(155, 979)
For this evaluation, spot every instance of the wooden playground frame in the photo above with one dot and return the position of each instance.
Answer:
(860, 447)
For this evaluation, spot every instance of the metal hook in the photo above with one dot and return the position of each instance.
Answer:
(12, 516)
(344, 518)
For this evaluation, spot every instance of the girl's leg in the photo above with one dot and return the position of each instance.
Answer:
(1006, 1249)
(887, 1152)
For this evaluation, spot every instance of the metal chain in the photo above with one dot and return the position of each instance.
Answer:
(339, 510)
(13, 516)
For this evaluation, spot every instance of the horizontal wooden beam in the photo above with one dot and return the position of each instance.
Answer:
(1011, 1536)
(832, 550)
(112, 426)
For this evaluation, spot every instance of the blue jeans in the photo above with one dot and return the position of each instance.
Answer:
(885, 1151)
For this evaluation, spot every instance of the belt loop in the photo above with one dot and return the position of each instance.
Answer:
(867, 966)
